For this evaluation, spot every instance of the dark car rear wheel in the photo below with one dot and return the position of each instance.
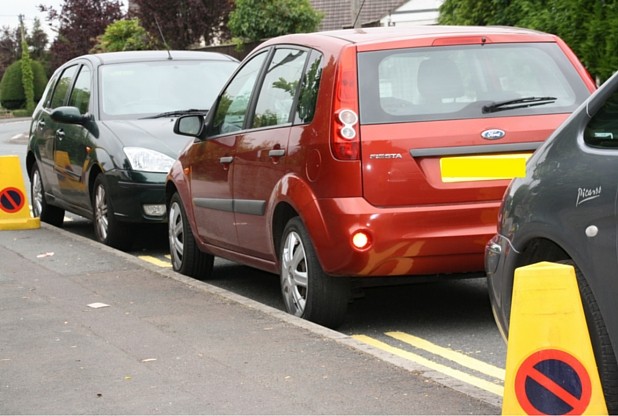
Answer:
(307, 291)
(107, 228)
(601, 344)
(186, 256)
(40, 208)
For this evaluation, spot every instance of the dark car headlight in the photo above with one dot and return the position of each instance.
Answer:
(148, 160)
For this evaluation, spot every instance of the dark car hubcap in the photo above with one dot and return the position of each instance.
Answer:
(100, 212)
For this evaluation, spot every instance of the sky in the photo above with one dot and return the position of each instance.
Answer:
(11, 9)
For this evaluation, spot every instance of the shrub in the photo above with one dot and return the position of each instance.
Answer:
(12, 94)
(21, 113)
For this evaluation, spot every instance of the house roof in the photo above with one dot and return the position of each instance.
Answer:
(338, 13)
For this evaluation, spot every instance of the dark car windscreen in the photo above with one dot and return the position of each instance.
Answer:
(467, 81)
(140, 89)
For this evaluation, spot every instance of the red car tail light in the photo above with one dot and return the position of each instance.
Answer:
(345, 135)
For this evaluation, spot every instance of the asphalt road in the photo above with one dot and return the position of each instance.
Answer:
(445, 325)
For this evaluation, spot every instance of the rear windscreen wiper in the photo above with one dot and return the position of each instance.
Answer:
(517, 103)
(179, 113)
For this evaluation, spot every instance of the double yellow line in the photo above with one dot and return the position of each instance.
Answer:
(447, 353)
(157, 261)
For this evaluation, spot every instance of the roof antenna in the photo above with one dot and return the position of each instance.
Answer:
(358, 12)
(163, 38)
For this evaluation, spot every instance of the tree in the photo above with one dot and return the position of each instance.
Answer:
(470, 12)
(38, 41)
(27, 76)
(11, 41)
(78, 24)
(9, 49)
(185, 22)
(254, 20)
(124, 35)
(565, 18)
(587, 26)
(600, 47)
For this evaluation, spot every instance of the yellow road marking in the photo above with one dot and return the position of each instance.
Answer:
(449, 354)
(155, 261)
(451, 372)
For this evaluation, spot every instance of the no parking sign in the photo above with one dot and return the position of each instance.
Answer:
(553, 382)
(11, 200)
(14, 210)
(550, 366)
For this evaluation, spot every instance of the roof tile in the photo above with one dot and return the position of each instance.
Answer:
(338, 13)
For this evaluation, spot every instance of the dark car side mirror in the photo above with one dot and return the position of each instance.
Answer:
(70, 115)
(190, 125)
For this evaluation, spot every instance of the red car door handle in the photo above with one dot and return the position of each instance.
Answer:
(276, 153)
(226, 160)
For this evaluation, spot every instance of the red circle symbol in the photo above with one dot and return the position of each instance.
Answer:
(11, 200)
(551, 382)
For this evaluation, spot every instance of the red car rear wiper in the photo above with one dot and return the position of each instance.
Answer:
(517, 103)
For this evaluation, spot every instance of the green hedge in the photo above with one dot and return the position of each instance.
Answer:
(12, 94)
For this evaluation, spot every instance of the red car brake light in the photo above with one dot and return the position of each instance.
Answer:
(345, 138)
(461, 40)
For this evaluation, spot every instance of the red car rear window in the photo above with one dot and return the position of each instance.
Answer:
(467, 81)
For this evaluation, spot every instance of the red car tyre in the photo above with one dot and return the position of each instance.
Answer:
(186, 257)
(308, 292)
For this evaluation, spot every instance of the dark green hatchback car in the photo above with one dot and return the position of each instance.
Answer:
(101, 140)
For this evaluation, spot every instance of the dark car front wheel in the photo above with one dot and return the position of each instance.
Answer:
(307, 291)
(40, 208)
(108, 230)
(186, 256)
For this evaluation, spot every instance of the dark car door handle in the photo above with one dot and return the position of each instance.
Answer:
(41, 124)
(226, 159)
(276, 153)
(60, 134)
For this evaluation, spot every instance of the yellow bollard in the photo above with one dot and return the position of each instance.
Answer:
(14, 208)
(550, 365)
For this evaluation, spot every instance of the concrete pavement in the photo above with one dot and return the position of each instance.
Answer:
(85, 329)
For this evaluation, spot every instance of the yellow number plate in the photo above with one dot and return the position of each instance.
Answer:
(483, 168)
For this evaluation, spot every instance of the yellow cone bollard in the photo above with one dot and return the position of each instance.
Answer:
(550, 366)
(14, 208)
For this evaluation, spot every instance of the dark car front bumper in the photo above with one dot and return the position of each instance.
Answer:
(137, 197)
(499, 257)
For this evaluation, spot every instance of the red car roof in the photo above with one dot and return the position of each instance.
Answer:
(381, 35)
